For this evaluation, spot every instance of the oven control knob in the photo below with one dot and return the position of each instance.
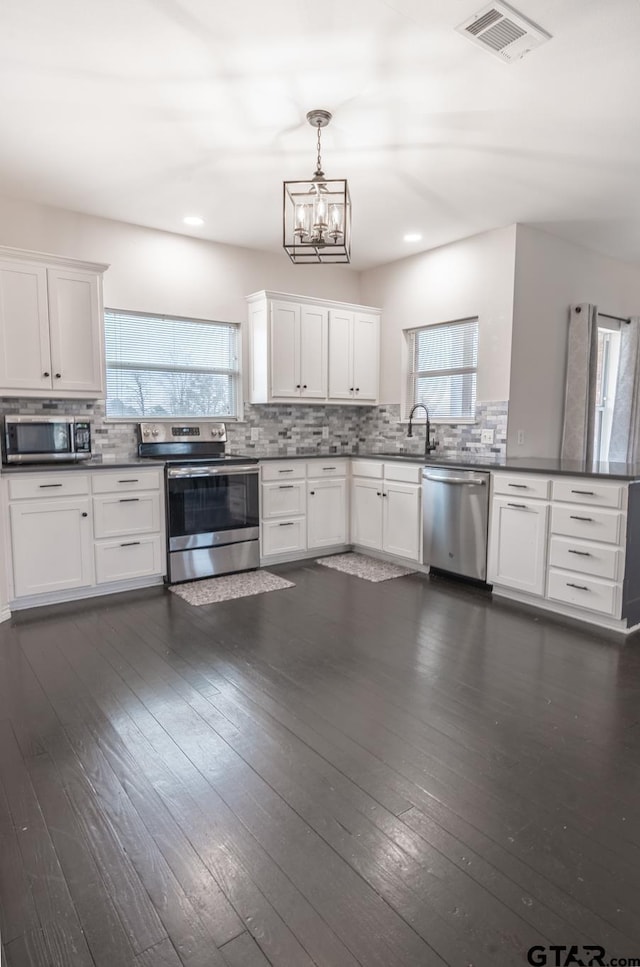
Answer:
(145, 432)
(155, 431)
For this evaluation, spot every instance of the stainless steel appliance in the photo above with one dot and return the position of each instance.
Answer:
(213, 514)
(44, 439)
(455, 520)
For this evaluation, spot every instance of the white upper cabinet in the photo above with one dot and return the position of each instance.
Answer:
(354, 356)
(51, 326)
(312, 350)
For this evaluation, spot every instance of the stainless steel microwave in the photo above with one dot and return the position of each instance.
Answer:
(40, 439)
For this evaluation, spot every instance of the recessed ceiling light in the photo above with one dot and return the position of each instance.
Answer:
(413, 237)
(193, 220)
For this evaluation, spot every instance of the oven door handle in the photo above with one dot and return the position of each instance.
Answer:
(184, 472)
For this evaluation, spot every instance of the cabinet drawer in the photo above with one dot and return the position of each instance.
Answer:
(110, 483)
(599, 560)
(587, 523)
(403, 472)
(284, 499)
(283, 536)
(583, 490)
(66, 484)
(316, 469)
(124, 560)
(115, 516)
(518, 483)
(583, 592)
(280, 470)
(367, 468)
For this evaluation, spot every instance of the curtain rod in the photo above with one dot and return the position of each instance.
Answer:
(605, 315)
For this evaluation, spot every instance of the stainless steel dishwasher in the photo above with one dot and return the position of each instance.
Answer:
(455, 520)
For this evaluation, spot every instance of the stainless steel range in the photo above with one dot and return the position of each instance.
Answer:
(213, 514)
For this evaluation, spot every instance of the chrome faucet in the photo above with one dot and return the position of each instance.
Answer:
(429, 447)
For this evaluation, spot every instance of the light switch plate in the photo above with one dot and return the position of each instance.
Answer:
(487, 436)
(325, 432)
(255, 434)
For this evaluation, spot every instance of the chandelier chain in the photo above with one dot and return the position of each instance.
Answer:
(319, 162)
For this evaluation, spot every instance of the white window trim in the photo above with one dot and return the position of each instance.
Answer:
(406, 404)
(239, 416)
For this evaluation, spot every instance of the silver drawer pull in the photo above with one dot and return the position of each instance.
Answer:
(581, 553)
(287, 523)
(329, 468)
(585, 493)
(286, 487)
(133, 480)
(519, 486)
(286, 471)
(130, 544)
(580, 587)
(44, 486)
(128, 500)
(575, 517)
(518, 506)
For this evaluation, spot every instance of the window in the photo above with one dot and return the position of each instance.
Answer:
(159, 366)
(443, 363)
(606, 380)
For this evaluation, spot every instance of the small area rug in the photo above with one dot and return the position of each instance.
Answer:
(229, 586)
(362, 566)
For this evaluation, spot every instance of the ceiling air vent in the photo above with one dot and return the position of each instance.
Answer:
(503, 31)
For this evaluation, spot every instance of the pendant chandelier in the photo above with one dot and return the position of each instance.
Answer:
(316, 214)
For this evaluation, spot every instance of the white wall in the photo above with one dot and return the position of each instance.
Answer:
(550, 275)
(153, 271)
(473, 277)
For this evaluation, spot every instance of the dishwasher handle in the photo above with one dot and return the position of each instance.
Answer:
(469, 481)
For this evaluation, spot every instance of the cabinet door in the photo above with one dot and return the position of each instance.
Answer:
(401, 530)
(341, 386)
(52, 545)
(327, 513)
(76, 325)
(313, 352)
(366, 346)
(518, 544)
(285, 349)
(366, 513)
(25, 358)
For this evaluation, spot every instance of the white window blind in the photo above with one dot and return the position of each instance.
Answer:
(443, 363)
(159, 366)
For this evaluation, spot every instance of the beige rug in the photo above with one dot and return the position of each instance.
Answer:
(362, 566)
(229, 586)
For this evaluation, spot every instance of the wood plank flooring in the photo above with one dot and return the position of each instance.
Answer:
(340, 774)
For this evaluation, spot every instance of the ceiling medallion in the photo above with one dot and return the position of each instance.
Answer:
(316, 214)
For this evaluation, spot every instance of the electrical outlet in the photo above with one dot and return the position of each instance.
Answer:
(325, 432)
(520, 438)
(255, 434)
(487, 436)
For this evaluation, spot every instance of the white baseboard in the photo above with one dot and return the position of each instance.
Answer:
(303, 555)
(81, 594)
(391, 558)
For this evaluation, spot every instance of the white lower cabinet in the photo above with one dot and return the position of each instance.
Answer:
(326, 513)
(51, 543)
(284, 536)
(70, 540)
(385, 513)
(518, 544)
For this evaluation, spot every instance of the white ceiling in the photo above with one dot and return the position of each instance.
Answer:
(148, 110)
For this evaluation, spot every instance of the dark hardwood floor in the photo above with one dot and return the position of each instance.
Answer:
(342, 773)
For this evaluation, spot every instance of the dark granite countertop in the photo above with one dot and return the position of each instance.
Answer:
(56, 466)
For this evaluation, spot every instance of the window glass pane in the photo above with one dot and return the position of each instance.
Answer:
(448, 396)
(164, 367)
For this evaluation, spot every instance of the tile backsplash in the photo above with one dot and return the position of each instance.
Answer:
(296, 428)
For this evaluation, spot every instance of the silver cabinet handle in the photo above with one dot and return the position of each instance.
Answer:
(518, 506)
(45, 486)
(133, 480)
(575, 517)
(585, 493)
(130, 544)
(580, 587)
(469, 481)
(329, 468)
(519, 486)
(580, 553)
(286, 487)
(128, 500)
(286, 523)
(286, 471)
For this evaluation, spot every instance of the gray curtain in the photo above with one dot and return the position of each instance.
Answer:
(625, 429)
(580, 385)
